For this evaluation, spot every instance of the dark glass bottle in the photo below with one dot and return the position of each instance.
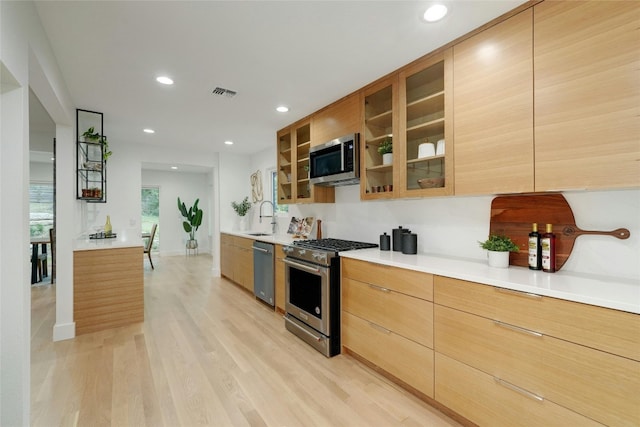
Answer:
(548, 243)
(535, 250)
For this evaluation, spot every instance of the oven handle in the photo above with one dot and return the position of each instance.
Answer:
(302, 266)
(315, 337)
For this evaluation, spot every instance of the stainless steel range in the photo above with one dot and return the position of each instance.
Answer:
(312, 276)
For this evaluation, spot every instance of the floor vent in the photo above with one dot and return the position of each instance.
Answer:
(220, 91)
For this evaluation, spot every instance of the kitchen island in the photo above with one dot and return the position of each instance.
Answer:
(108, 283)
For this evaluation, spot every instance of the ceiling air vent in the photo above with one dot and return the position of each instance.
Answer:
(220, 91)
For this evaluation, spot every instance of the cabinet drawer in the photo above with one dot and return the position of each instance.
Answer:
(405, 315)
(226, 239)
(243, 242)
(489, 401)
(596, 384)
(613, 331)
(408, 282)
(405, 359)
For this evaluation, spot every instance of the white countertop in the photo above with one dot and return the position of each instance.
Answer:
(616, 293)
(278, 239)
(126, 239)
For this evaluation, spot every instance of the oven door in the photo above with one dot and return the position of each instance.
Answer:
(307, 293)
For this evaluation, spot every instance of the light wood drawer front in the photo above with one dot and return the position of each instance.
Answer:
(613, 331)
(486, 401)
(591, 382)
(226, 239)
(243, 242)
(510, 354)
(402, 358)
(408, 282)
(405, 315)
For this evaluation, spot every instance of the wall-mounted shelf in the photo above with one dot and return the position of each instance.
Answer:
(91, 167)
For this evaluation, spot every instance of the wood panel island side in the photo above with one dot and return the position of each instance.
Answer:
(108, 284)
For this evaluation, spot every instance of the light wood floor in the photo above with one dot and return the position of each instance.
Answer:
(207, 354)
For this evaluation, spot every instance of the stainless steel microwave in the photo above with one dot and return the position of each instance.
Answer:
(336, 162)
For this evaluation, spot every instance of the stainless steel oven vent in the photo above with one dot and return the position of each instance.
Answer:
(220, 91)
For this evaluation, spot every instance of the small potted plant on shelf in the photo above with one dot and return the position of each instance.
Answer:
(386, 151)
(91, 135)
(241, 209)
(498, 248)
(193, 221)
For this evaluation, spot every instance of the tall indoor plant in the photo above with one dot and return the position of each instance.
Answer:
(193, 221)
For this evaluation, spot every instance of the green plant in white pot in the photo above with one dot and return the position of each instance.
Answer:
(498, 248)
(242, 209)
(385, 149)
(193, 221)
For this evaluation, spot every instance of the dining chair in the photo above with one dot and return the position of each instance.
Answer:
(147, 248)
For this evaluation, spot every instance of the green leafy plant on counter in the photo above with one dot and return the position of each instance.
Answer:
(386, 146)
(243, 207)
(193, 216)
(498, 243)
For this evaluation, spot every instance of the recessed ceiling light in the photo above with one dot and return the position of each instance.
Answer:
(435, 13)
(164, 80)
(282, 109)
(148, 131)
(229, 142)
(174, 167)
(53, 158)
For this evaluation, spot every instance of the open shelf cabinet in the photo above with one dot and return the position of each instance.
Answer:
(91, 166)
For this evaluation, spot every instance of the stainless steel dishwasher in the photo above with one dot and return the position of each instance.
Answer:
(263, 274)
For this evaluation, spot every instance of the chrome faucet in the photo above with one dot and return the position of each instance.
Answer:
(272, 216)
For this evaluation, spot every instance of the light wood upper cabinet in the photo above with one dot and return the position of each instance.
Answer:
(293, 147)
(426, 116)
(493, 109)
(380, 121)
(587, 95)
(338, 119)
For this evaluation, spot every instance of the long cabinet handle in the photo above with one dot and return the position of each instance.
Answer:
(518, 293)
(519, 390)
(315, 337)
(379, 288)
(517, 329)
(380, 328)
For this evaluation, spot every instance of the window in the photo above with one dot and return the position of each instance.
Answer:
(40, 208)
(150, 198)
(274, 194)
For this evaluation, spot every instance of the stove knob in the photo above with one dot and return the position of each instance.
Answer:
(287, 249)
(302, 252)
(320, 257)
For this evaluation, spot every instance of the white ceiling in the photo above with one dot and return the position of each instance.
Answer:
(303, 54)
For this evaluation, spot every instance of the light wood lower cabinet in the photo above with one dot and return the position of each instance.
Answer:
(236, 260)
(490, 401)
(387, 320)
(406, 360)
(108, 288)
(492, 332)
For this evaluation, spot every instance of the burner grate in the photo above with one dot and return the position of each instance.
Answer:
(334, 244)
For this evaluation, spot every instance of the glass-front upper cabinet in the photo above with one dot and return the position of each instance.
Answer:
(377, 180)
(303, 144)
(426, 116)
(285, 170)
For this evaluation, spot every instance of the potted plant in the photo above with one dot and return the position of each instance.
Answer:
(498, 248)
(386, 151)
(193, 221)
(241, 209)
(90, 135)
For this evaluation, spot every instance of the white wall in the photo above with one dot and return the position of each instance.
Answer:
(189, 187)
(235, 185)
(452, 226)
(26, 61)
(40, 171)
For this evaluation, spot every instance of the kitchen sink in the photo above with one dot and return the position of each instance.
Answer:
(259, 234)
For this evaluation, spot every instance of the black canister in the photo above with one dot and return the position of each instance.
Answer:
(385, 242)
(397, 238)
(409, 243)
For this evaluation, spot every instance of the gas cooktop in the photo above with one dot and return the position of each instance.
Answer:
(336, 245)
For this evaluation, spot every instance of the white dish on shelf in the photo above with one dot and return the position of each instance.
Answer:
(428, 149)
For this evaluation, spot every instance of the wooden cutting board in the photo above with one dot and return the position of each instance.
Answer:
(513, 216)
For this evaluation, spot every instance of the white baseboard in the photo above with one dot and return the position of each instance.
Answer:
(216, 272)
(64, 331)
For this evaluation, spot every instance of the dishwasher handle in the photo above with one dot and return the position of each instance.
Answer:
(266, 251)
